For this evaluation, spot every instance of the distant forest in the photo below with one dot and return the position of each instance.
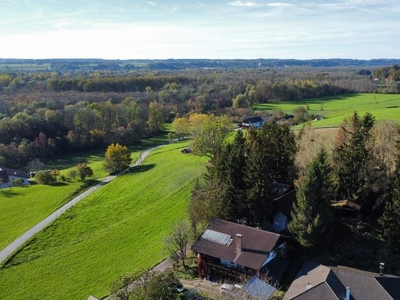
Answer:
(58, 109)
(63, 65)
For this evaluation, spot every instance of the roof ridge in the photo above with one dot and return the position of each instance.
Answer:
(312, 287)
(383, 288)
(349, 270)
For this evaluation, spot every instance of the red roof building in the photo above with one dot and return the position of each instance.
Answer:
(236, 247)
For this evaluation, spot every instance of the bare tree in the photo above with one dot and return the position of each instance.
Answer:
(176, 244)
(383, 143)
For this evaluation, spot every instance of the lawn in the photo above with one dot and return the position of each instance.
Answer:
(23, 207)
(118, 229)
(334, 109)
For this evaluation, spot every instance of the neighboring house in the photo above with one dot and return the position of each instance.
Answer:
(256, 122)
(234, 249)
(284, 197)
(315, 281)
(13, 174)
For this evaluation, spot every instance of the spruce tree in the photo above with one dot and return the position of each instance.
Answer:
(311, 214)
(351, 154)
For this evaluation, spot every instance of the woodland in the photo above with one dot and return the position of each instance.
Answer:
(47, 113)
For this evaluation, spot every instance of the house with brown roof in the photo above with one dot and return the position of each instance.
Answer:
(315, 281)
(8, 175)
(236, 249)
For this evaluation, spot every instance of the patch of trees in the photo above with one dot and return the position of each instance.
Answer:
(119, 84)
(47, 132)
(240, 173)
(390, 76)
(362, 167)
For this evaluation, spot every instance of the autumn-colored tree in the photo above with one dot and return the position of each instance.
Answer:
(117, 158)
(181, 127)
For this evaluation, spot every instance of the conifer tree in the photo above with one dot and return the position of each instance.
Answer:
(311, 214)
(351, 154)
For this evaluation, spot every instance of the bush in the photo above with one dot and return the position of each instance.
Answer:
(45, 177)
(17, 182)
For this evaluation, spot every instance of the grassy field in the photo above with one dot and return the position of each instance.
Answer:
(23, 207)
(334, 109)
(116, 230)
(25, 67)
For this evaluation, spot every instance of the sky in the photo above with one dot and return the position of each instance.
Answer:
(162, 29)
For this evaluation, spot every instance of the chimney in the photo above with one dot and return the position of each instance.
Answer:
(381, 268)
(239, 242)
(347, 293)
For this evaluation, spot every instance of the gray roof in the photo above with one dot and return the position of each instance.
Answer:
(258, 288)
(314, 279)
(13, 172)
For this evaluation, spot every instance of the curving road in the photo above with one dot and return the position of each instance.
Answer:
(20, 241)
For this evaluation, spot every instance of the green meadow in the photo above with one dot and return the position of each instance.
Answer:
(23, 207)
(117, 229)
(334, 109)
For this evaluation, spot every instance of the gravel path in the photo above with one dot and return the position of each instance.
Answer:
(20, 241)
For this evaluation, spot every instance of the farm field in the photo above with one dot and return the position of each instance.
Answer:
(334, 109)
(118, 229)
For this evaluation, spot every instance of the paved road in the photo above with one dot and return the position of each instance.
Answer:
(19, 242)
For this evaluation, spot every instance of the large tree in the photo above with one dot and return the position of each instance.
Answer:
(352, 154)
(117, 158)
(212, 135)
(311, 215)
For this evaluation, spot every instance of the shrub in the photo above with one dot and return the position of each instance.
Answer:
(45, 177)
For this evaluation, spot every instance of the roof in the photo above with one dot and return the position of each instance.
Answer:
(13, 172)
(253, 120)
(315, 281)
(284, 197)
(258, 288)
(256, 243)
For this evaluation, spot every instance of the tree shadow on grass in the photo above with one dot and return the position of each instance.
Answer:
(59, 183)
(140, 169)
(9, 193)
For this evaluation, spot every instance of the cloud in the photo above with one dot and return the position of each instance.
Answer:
(152, 3)
(244, 3)
(367, 2)
(279, 4)
(201, 3)
(255, 4)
